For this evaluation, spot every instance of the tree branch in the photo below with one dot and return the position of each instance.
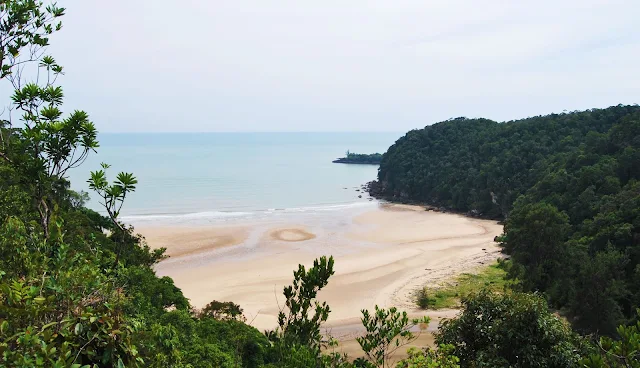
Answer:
(6, 158)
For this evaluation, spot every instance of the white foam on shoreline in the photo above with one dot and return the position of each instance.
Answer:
(206, 217)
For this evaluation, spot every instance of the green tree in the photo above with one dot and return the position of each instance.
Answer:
(509, 330)
(222, 311)
(299, 323)
(62, 310)
(623, 352)
(428, 358)
(536, 234)
(48, 145)
(25, 28)
(566, 186)
(113, 196)
(387, 331)
(598, 286)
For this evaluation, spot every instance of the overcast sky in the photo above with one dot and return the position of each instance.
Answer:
(336, 65)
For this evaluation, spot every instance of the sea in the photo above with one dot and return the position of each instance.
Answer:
(202, 178)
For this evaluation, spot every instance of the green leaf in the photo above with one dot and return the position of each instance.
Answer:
(49, 325)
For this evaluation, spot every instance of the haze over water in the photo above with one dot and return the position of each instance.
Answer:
(190, 177)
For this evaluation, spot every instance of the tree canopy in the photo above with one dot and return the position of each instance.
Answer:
(566, 186)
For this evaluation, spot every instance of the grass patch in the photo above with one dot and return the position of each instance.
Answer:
(448, 296)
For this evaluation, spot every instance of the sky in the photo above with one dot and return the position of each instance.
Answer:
(335, 65)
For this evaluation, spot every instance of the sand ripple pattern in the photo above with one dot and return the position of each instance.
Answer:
(292, 235)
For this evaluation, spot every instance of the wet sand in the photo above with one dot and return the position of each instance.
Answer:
(292, 235)
(181, 241)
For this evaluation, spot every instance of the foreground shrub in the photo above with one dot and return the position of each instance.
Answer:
(509, 330)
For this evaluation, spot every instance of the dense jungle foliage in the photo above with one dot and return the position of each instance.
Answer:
(78, 289)
(565, 184)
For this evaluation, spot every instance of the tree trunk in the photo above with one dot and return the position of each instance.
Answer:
(44, 211)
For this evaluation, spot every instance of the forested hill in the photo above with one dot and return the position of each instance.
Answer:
(567, 185)
(483, 166)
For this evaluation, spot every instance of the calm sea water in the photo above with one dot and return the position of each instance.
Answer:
(208, 176)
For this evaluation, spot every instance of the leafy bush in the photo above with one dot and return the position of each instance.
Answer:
(429, 358)
(623, 352)
(509, 330)
(424, 300)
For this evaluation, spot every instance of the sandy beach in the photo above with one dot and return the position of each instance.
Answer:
(382, 256)
(185, 240)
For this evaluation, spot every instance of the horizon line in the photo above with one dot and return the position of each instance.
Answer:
(252, 132)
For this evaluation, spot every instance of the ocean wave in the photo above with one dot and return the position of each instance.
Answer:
(332, 207)
(224, 216)
(196, 215)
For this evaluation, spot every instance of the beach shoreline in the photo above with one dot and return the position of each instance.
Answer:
(382, 254)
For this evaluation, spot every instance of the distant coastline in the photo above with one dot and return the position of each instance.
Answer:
(359, 159)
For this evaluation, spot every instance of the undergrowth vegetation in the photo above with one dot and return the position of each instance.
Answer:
(451, 292)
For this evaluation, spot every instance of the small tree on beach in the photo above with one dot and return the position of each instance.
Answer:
(299, 322)
(387, 331)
